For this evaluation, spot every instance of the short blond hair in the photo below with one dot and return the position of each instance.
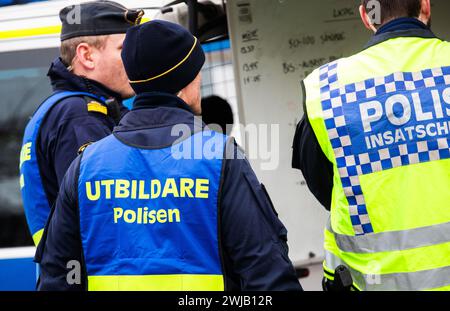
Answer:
(68, 49)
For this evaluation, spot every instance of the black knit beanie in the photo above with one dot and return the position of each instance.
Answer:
(160, 56)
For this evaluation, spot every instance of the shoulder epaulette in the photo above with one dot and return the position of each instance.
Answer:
(94, 106)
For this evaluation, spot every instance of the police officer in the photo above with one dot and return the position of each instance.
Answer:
(156, 205)
(89, 82)
(374, 148)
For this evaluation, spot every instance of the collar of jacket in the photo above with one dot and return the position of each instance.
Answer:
(157, 99)
(401, 27)
(63, 79)
(153, 110)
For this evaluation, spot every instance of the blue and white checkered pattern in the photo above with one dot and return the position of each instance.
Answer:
(351, 165)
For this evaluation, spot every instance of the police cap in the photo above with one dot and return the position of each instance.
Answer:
(97, 18)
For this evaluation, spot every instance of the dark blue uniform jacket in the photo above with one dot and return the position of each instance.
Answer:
(253, 238)
(69, 125)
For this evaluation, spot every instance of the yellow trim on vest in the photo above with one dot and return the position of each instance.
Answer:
(330, 274)
(171, 69)
(38, 31)
(22, 181)
(97, 107)
(439, 289)
(170, 282)
(37, 237)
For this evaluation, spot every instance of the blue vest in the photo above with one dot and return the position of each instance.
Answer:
(149, 218)
(34, 198)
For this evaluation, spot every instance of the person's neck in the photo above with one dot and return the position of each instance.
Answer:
(402, 23)
(63, 79)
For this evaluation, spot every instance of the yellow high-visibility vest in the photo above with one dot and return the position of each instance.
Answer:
(382, 118)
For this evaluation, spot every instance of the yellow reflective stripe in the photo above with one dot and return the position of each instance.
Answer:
(171, 69)
(330, 274)
(170, 282)
(443, 289)
(38, 31)
(30, 32)
(97, 107)
(22, 181)
(37, 237)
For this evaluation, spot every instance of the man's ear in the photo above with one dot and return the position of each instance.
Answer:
(365, 18)
(84, 56)
(425, 11)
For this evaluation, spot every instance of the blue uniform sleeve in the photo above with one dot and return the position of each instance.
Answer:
(60, 253)
(253, 238)
(69, 126)
(75, 133)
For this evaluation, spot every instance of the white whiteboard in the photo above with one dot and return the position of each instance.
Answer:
(276, 43)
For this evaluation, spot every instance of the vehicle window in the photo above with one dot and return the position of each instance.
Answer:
(23, 86)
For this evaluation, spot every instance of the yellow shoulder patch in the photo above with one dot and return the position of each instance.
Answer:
(81, 149)
(94, 106)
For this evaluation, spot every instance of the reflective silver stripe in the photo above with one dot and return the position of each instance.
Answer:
(393, 240)
(419, 280)
(408, 281)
